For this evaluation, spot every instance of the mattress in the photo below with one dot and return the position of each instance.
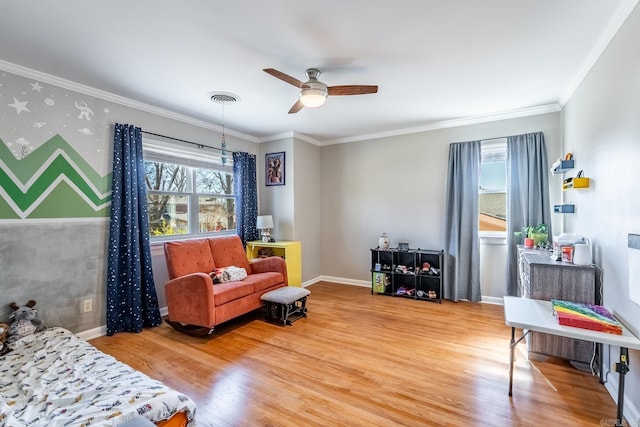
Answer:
(53, 378)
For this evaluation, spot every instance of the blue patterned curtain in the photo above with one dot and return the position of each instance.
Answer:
(246, 191)
(132, 302)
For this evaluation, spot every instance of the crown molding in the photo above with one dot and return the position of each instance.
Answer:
(117, 99)
(624, 12)
(291, 134)
(276, 137)
(306, 138)
(533, 111)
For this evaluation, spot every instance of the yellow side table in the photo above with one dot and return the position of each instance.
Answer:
(290, 251)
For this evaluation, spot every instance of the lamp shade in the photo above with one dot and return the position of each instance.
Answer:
(264, 221)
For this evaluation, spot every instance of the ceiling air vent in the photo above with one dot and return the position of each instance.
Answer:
(224, 97)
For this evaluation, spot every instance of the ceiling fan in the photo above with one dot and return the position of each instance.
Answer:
(313, 93)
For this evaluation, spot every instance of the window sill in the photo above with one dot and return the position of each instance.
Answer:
(493, 237)
(157, 244)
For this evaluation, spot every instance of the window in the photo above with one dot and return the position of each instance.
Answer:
(187, 196)
(493, 186)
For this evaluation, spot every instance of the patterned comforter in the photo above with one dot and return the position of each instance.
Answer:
(54, 378)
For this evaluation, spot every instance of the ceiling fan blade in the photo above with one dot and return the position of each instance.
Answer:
(284, 77)
(296, 107)
(352, 90)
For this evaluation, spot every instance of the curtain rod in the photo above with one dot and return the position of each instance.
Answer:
(507, 136)
(497, 137)
(188, 142)
(483, 139)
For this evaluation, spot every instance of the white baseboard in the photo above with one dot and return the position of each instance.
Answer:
(102, 330)
(342, 280)
(492, 300)
(92, 333)
(367, 284)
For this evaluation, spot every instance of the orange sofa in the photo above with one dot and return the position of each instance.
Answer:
(196, 305)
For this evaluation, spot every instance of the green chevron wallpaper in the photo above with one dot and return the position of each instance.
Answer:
(53, 181)
(54, 152)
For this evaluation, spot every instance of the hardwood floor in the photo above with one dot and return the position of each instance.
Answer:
(365, 360)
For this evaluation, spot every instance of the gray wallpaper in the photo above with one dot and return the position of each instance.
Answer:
(57, 263)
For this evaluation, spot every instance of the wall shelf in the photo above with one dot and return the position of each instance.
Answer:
(578, 182)
(561, 166)
(564, 209)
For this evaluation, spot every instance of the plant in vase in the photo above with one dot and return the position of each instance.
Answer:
(539, 234)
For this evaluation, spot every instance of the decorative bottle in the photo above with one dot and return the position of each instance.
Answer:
(383, 242)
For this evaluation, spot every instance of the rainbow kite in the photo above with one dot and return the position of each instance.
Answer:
(586, 316)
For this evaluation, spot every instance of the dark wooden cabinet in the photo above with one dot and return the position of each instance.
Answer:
(542, 278)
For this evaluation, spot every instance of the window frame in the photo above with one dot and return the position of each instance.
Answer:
(192, 159)
(499, 146)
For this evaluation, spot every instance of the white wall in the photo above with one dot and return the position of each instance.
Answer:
(493, 281)
(397, 185)
(295, 206)
(307, 181)
(602, 129)
(277, 200)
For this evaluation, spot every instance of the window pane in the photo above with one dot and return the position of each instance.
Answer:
(216, 214)
(493, 211)
(213, 182)
(493, 187)
(168, 214)
(161, 176)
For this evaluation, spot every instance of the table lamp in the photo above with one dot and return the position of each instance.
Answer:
(265, 224)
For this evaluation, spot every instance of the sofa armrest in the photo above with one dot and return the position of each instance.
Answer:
(270, 264)
(190, 300)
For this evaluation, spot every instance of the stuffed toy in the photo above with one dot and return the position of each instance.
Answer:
(24, 322)
(4, 333)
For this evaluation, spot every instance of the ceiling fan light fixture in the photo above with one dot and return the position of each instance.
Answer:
(313, 94)
(313, 98)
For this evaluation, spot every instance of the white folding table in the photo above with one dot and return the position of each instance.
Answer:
(536, 315)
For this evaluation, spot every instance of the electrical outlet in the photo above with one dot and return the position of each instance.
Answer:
(87, 305)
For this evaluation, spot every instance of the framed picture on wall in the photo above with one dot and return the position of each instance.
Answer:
(274, 168)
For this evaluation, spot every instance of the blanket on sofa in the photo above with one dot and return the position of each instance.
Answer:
(53, 378)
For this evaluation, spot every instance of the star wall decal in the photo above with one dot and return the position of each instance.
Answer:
(20, 106)
(36, 86)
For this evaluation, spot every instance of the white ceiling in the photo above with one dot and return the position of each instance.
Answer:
(436, 62)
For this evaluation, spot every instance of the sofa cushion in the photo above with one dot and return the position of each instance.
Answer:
(229, 291)
(187, 257)
(228, 251)
(262, 281)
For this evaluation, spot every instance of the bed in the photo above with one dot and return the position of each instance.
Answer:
(53, 378)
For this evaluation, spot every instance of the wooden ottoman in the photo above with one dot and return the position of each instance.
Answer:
(286, 304)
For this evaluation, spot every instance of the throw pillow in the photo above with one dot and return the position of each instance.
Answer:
(228, 274)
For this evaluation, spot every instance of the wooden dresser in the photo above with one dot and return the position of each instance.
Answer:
(542, 278)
